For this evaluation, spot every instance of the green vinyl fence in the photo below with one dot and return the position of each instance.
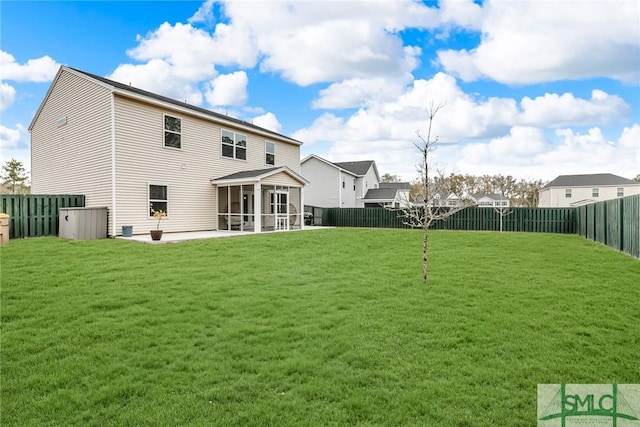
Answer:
(547, 220)
(614, 223)
(36, 215)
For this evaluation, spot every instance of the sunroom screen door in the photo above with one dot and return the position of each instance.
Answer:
(282, 210)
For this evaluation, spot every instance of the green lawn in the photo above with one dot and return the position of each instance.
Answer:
(326, 327)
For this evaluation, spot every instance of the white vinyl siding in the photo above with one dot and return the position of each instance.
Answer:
(323, 188)
(110, 141)
(74, 157)
(189, 171)
(556, 196)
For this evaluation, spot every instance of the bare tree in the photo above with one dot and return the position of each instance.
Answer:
(433, 201)
(501, 209)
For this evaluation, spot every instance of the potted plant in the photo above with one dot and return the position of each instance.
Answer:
(157, 233)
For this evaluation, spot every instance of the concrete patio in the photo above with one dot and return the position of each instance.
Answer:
(199, 235)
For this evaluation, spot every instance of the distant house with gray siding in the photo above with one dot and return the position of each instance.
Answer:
(129, 149)
(339, 184)
(577, 190)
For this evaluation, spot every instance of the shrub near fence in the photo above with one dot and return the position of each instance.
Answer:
(36, 215)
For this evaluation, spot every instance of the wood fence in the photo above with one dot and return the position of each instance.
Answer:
(546, 220)
(615, 223)
(36, 215)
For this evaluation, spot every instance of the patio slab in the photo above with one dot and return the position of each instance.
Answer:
(199, 235)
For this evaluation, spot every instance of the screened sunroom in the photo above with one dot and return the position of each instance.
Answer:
(260, 200)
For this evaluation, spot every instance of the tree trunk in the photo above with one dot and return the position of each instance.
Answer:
(425, 235)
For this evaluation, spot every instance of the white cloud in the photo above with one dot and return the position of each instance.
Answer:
(158, 76)
(527, 152)
(7, 95)
(528, 42)
(228, 89)
(478, 135)
(553, 110)
(41, 69)
(204, 13)
(9, 138)
(353, 93)
(268, 121)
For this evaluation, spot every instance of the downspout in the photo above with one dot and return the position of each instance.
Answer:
(339, 188)
(113, 165)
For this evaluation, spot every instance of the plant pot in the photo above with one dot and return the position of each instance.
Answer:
(156, 234)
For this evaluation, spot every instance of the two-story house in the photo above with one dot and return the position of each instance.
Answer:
(339, 184)
(129, 150)
(489, 200)
(576, 190)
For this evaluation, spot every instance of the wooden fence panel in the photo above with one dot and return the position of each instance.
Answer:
(548, 220)
(631, 225)
(613, 224)
(33, 215)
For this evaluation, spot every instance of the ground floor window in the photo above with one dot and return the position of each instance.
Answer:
(158, 199)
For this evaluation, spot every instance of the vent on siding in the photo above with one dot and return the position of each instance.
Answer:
(61, 121)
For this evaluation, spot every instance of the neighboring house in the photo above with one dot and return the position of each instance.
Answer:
(388, 195)
(440, 200)
(129, 149)
(338, 185)
(576, 190)
(489, 200)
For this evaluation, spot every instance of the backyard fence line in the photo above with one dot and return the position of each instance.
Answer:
(615, 223)
(33, 215)
(546, 220)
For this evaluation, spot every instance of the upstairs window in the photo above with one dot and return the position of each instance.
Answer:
(158, 200)
(172, 132)
(595, 192)
(567, 193)
(354, 184)
(620, 192)
(269, 153)
(234, 145)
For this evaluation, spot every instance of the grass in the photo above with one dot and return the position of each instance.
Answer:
(328, 327)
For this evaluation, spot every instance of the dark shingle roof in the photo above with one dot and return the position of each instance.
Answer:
(381, 194)
(248, 174)
(358, 168)
(589, 180)
(478, 196)
(180, 104)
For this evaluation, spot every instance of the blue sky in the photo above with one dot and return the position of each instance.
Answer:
(531, 89)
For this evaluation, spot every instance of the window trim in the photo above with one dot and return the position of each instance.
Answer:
(567, 193)
(595, 192)
(235, 145)
(620, 192)
(164, 130)
(266, 152)
(150, 200)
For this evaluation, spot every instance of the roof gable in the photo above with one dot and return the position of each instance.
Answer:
(257, 175)
(326, 162)
(359, 168)
(381, 194)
